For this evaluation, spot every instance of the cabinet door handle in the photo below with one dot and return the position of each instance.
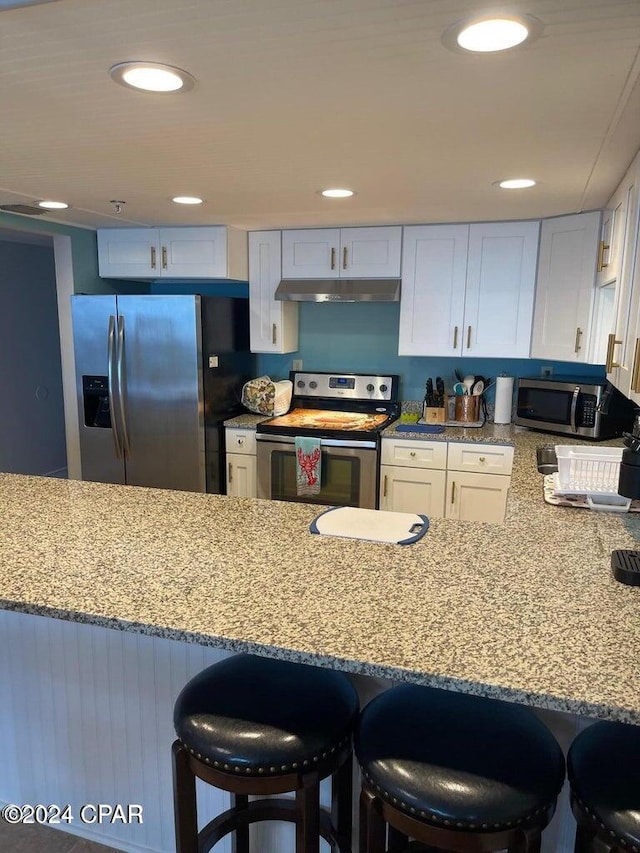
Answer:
(453, 492)
(612, 341)
(482, 460)
(602, 248)
(344, 258)
(229, 478)
(384, 487)
(153, 257)
(635, 376)
(333, 258)
(273, 333)
(455, 337)
(577, 346)
(469, 337)
(164, 257)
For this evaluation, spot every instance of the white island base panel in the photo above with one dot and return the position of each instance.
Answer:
(86, 718)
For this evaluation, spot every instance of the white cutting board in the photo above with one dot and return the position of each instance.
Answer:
(373, 525)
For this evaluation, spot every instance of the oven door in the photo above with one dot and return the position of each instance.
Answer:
(348, 474)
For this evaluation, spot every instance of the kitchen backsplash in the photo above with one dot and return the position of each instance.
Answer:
(364, 338)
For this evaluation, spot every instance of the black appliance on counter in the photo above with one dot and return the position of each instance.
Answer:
(580, 406)
(156, 378)
(347, 413)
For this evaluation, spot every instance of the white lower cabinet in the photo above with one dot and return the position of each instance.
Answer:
(462, 480)
(477, 497)
(240, 459)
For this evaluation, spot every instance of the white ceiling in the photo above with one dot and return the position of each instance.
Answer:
(296, 95)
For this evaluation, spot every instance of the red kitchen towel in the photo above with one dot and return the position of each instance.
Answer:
(308, 466)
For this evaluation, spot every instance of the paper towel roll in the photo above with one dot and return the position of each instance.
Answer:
(504, 400)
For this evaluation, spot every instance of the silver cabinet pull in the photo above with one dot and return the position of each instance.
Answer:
(333, 258)
(635, 375)
(469, 337)
(344, 258)
(229, 478)
(384, 487)
(453, 492)
(612, 341)
(602, 248)
(273, 333)
(578, 336)
(164, 257)
(153, 257)
(455, 337)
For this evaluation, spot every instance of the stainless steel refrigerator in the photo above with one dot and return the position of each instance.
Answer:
(156, 377)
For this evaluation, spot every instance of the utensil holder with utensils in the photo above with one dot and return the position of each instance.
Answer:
(467, 408)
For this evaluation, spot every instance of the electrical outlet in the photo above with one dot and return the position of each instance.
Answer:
(296, 364)
(213, 361)
(546, 371)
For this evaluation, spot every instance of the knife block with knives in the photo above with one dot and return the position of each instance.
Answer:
(434, 409)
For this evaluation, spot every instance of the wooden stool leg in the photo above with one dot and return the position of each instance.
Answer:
(341, 804)
(241, 835)
(397, 841)
(184, 801)
(372, 824)
(308, 816)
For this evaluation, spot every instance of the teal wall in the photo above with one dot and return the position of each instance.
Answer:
(84, 252)
(363, 338)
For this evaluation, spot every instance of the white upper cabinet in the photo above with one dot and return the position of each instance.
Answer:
(468, 289)
(273, 324)
(434, 272)
(342, 252)
(208, 252)
(565, 291)
(623, 350)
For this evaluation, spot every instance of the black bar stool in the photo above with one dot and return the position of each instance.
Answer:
(256, 726)
(603, 766)
(455, 772)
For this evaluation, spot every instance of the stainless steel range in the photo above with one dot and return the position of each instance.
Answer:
(346, 412)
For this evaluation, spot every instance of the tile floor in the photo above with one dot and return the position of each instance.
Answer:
(43, 839)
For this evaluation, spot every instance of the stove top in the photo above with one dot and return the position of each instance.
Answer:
(338, 405)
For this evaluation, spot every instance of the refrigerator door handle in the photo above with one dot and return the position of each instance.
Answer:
(126, 445)
(111, 341)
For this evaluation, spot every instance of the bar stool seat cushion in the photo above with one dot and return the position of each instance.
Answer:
(261, 717)
(456, 760)
(604, 771)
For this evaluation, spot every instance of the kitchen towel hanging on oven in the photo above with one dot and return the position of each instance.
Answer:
(308, 466)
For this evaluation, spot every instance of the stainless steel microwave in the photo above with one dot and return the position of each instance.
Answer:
(580, 406)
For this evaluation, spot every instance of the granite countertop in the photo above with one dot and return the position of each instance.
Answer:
(527, 611)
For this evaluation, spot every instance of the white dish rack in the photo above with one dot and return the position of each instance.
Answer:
(590, 471)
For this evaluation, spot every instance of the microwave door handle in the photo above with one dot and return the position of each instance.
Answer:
(574, 407)
(111, 336)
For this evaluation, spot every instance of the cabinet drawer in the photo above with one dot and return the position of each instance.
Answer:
(487, 458)
(240, 440)
(414, 454)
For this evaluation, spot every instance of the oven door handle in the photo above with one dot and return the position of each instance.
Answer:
(324, 442)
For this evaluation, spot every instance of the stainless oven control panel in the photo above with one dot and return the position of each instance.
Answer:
(345, 386)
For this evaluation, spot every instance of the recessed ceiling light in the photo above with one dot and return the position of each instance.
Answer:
(491, 34)
(516, 183)
(151, 77)
(337, 193)
(53, 205)
(186, 199)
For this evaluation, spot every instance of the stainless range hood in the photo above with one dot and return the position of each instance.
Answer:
(339, 290)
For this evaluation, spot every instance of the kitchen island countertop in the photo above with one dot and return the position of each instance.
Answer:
(527, 611)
